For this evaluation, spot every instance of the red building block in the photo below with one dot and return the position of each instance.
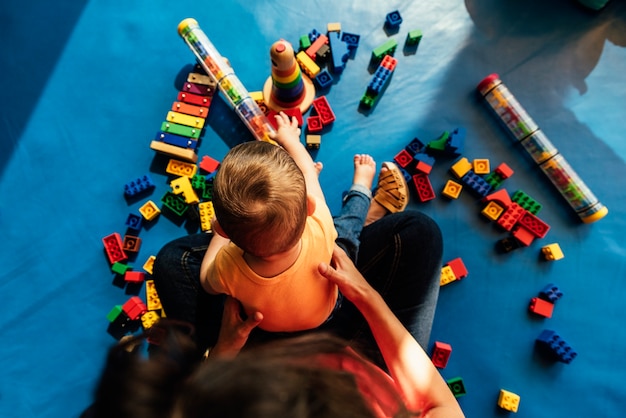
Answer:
(114, 248)
(424, 189)
(441, 354)
(293, 112)
(458, 267)
(501, 197)
(134, 308)
(208, 164)
(403, 158)
(134, 276)
(541, 307)
(323, 110)
(504, 171)
(314, 124)
(523, 235)
(510, 217)
(535, 225)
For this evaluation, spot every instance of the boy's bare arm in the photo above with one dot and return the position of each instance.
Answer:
(288, 136)
(217, 242)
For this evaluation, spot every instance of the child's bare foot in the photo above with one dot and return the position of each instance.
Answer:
(364, 170)
(318, 167)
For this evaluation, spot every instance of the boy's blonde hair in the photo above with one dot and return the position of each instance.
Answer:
(259, 196)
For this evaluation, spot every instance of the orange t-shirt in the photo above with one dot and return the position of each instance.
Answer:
(297, 299)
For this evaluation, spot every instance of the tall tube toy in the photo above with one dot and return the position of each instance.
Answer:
(224, 76)
(526, 132)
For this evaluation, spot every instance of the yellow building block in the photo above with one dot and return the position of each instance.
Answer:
(181, 168)
(307, 65)
(447, 276)
(481, 166)
(508, 400)
(153, 301)
(148, 319)
(149, 210)
(206, 213)
(333, 27)
(452, 189)
(183, 185)
(552, 252)
(461, 167)
(149, 264)
(492, 211)
(187, 120)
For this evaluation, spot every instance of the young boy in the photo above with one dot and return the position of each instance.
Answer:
(273, 228)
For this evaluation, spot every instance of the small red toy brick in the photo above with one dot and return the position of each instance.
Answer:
(510, 217)
(535, 225)
(403, 158)
(293, 112)
(134, 276)
(114, 248)
(441, 354)
(523, 235)
(314, 124)
(134, 307)
(424, 189)
(501, 197)
(423, 167)
(541, 307)
(504, 171)
(458, 267)
(323, 110)
(209, 164)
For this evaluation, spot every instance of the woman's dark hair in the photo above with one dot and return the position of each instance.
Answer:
(314, 375)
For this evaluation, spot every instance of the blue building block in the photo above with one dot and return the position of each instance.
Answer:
(323, 79)
(134, 222)
(550, 293)
(456, 142)
(339, 51)
(555, 347)
(425, 158)
(415, 146)
(476, 183)
(313, 35)
(393, 20)
(138, 186)
(351, 40)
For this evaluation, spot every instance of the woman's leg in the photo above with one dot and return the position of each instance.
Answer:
(400, 256)
(177, 281)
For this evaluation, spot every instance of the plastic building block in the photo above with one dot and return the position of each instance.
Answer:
(149, 264)
(508, 401)
(133, 222)
(323, 110)
(120, 268)
(492, 211)
(527, 202)
(138, 186)
(508, 244)
(393, 20)
(206, 213)
(510, 217)
(339, 51)
(181, 168)
(523, 235)
(447, 276)
(413, 38)
(481, 166)
(313, 141)
(387, 48)
(208, 164)
(190, 109)
(552, 252)
(452, 189)
(535, 225)
(424, 188)
(114, 248)
(494, 180)
(186, 154)
(182, 185)
(378, 82)
(182, 130)
(504, 171)
(131, 243)
(315, 45)
(313, 35)
(333, 27)
(424, 162)
(403, 158)
(148, 319)
(175, 203)
(457, 387)
(423, 167)
(441, 354)
(309, 66)
(550, 293)
(461, 167)
(351, 39)
(134, 307)
(152, 297)
(541, 307)
(476, 183)
(314, 124)
(555, 347)
(115, 313)
(134, 276)
(304, 42)
(149, 210)
(501, 197)
(323, 79)
(458, 267)
(194, 99)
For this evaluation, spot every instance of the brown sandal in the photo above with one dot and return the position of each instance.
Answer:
(392, 191)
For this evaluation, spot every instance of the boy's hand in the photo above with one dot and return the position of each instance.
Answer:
(287, 130)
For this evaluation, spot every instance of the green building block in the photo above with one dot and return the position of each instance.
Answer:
(457, 387)
(115, 313)
(439, 144)
(388, 48)
(494, 180)
(305, 42)
(413, 37)
(175, 203)
(527, 202)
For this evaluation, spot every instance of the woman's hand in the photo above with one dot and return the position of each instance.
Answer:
(345, 275)
(234, 331)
